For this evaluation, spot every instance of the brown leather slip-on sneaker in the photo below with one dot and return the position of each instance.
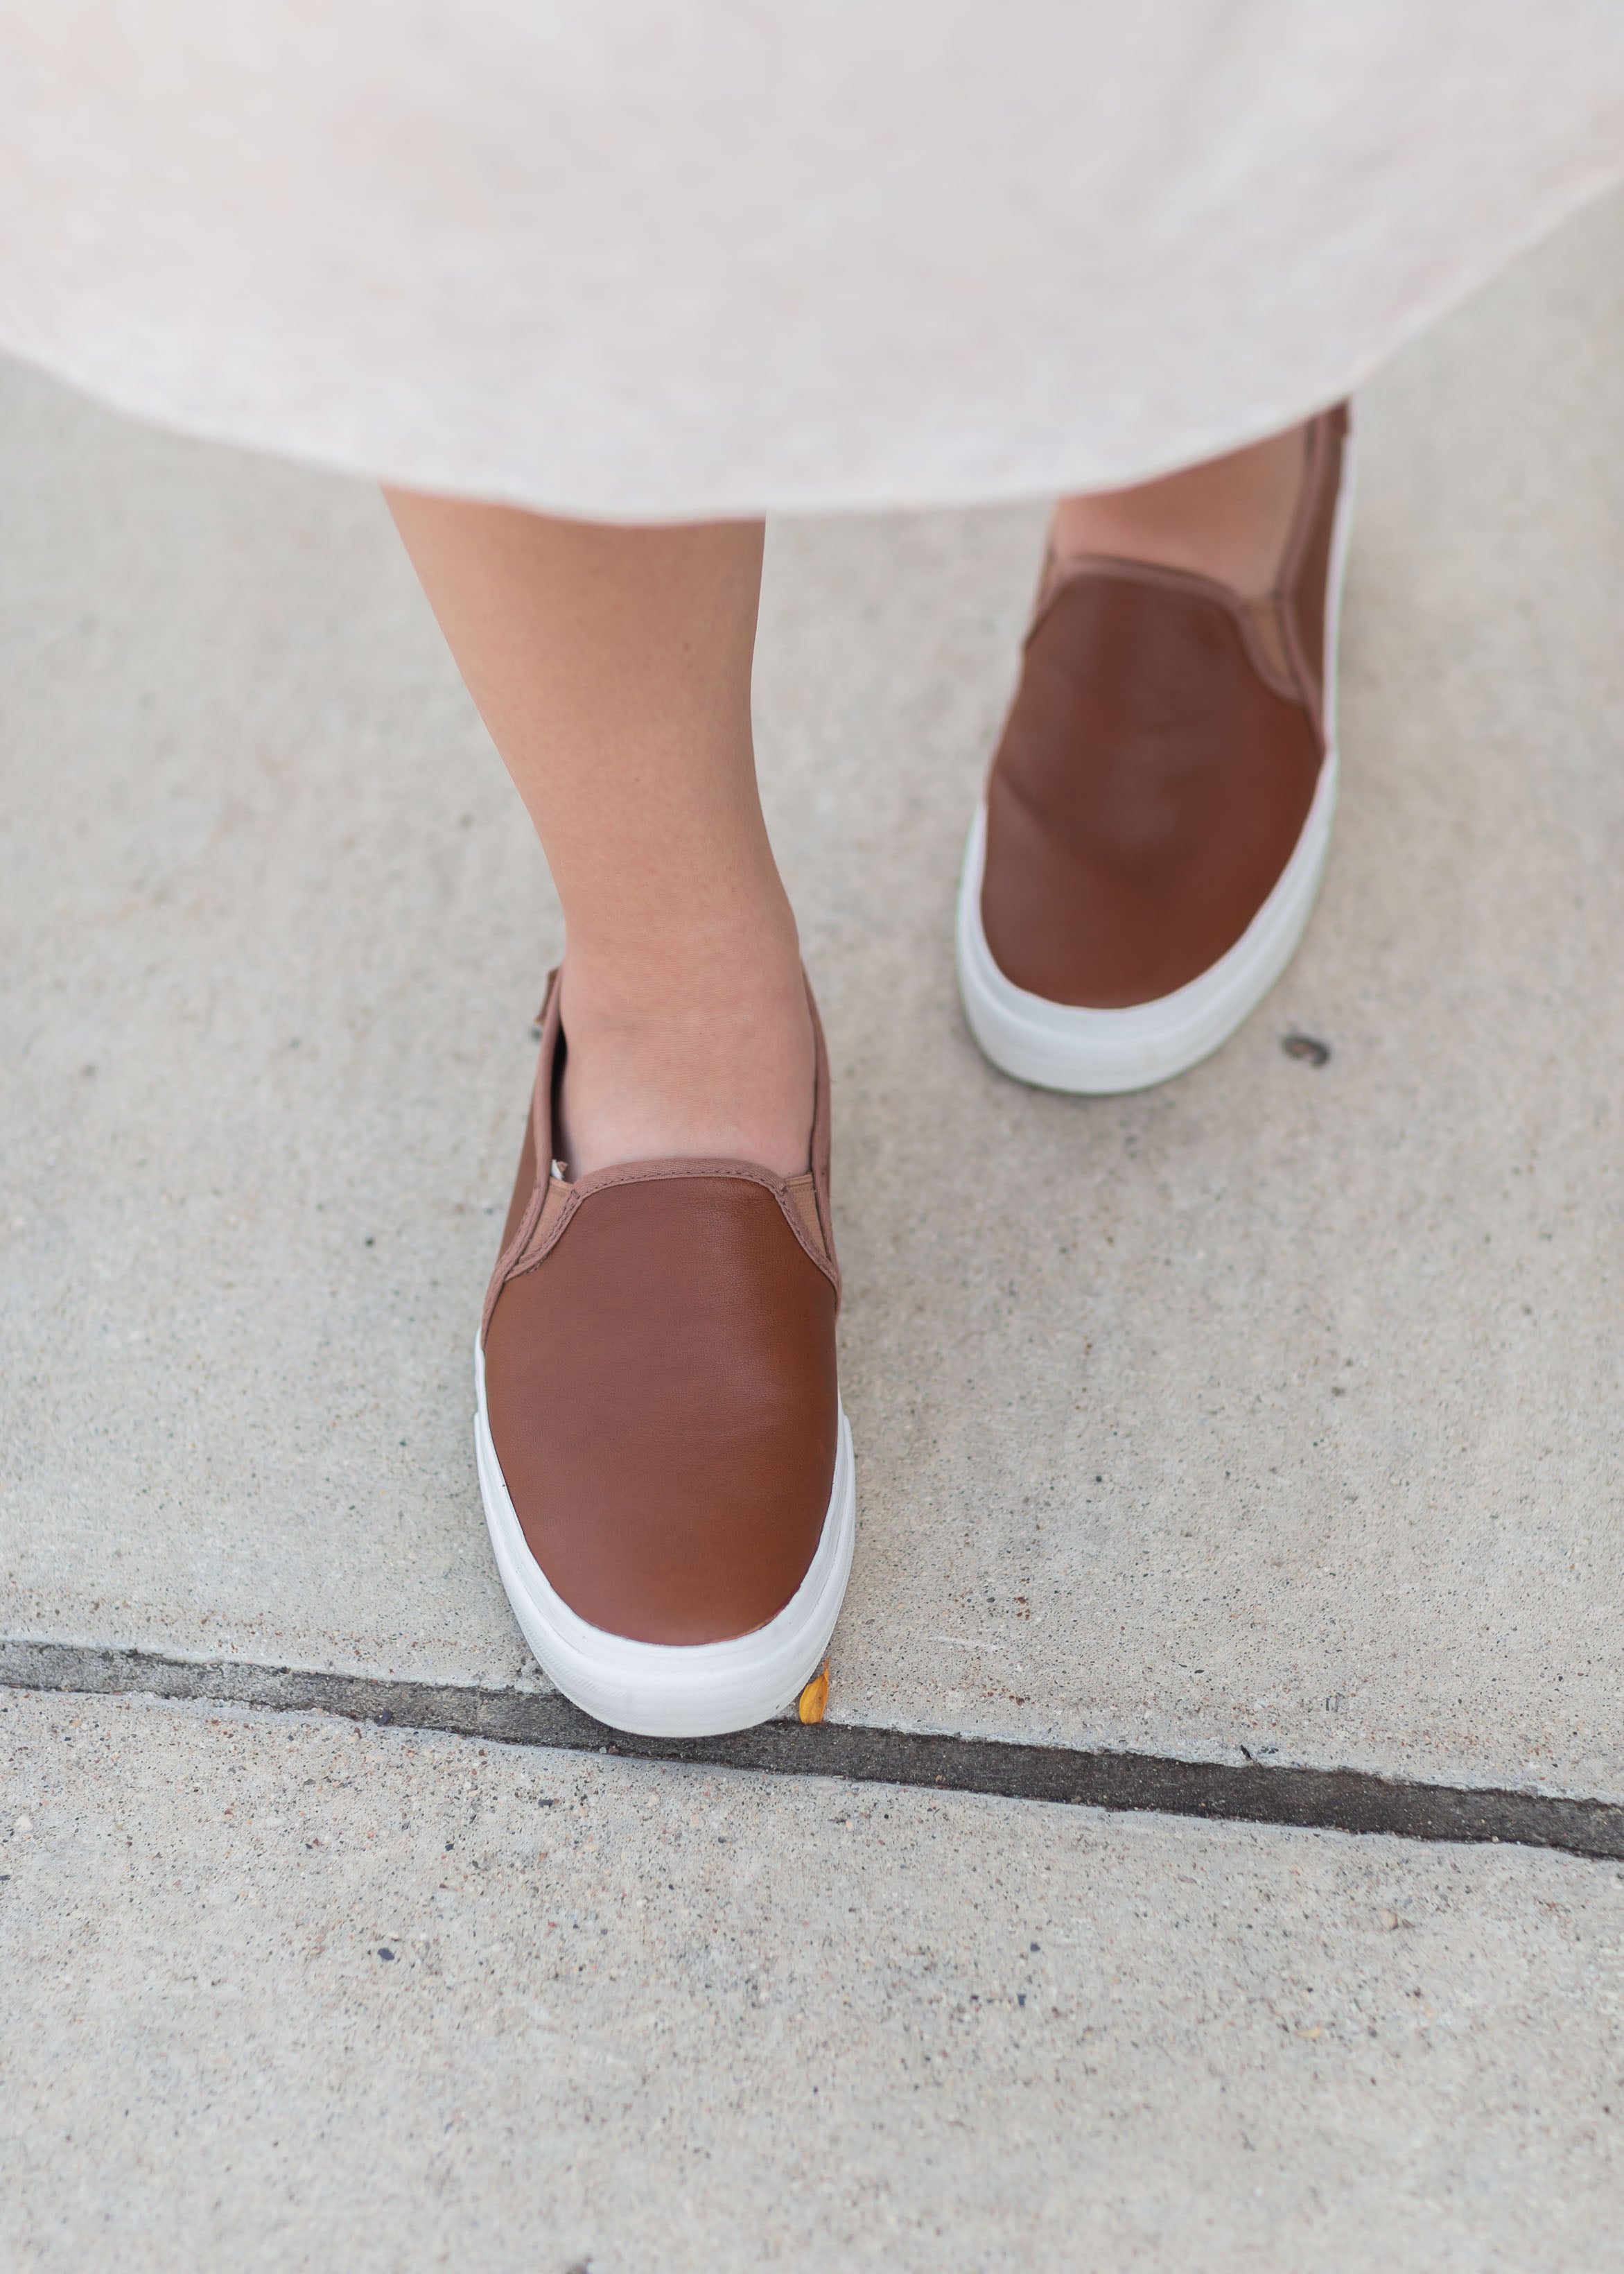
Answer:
(665, 1468)
(1159, 810)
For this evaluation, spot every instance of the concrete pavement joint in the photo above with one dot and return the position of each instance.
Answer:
(1334, 1799)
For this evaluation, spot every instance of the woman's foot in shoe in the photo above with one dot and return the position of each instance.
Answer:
(665, 1469)
(1159, 809)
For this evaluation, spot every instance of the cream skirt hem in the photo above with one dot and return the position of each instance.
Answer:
(643, 261)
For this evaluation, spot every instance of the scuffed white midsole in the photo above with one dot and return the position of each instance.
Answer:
(1097, 1053)
(662, 1689)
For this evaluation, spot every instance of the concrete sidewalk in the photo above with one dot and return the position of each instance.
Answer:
(1279, 1409)
(281, 1995)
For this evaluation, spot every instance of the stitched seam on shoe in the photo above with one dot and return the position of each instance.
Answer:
(1325, 450)
(829, 1262)
(605, 1179)
(510, 1254)
(1107, 567)
(649, 1172)
(830, 1270)
(525, 1262)
(537, 1201)
(1287, 683)
(821, 1206)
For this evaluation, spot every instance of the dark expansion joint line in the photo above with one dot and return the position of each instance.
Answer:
(1329, 1800)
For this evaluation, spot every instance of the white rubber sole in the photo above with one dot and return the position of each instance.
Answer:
(1100, 1053)
(661, 1690)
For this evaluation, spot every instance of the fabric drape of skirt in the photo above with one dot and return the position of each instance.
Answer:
(639, 260)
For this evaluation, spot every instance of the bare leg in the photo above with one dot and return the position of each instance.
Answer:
(612, 668)
(1228, 517)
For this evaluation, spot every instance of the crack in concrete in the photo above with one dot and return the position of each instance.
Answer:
(1331, 1800)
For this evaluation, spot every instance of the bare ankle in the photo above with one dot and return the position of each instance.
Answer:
(1229, 518)
(719, 1066)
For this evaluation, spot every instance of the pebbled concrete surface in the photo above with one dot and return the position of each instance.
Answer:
(642, 2020)
(1278, 1407)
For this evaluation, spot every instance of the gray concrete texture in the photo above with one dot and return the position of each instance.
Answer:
(1278, 1407)
(644, 2020)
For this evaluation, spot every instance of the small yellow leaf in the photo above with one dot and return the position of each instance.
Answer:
(815, 1696)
